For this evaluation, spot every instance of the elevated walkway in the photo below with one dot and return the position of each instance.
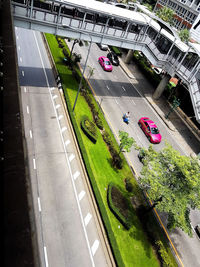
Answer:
(101, 22)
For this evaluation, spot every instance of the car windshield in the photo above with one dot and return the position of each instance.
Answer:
(154, 130)
(107, 62)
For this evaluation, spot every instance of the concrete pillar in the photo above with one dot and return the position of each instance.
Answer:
(161, 87)
(129, 56)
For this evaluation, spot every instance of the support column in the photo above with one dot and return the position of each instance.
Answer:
(129, 56)
(161, 87)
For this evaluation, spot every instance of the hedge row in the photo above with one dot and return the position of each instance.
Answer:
(116, 159)
(95, 113)
(89, 132)
(124, 221)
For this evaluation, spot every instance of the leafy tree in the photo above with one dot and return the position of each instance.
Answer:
(166, 14)
(172, 181)
(184, 35)
(126, 142)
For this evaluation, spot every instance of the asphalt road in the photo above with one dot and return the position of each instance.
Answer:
(117, 95)
(64, 221)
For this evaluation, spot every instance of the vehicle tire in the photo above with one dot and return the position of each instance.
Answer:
(140, 125)
(149, 138)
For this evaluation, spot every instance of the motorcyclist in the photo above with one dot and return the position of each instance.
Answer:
(126, 117)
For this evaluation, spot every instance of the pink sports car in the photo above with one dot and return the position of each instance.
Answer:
(150, 129)
(105, 63)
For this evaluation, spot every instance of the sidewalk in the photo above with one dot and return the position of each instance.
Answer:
(184, 135)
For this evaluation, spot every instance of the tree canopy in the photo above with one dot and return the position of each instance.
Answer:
(166, 14)
(184, 35)
(125, 141)
(173, 183)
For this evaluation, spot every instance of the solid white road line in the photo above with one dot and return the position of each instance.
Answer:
(87, 218)
(76, 175)
(95, 247)
(46, 258)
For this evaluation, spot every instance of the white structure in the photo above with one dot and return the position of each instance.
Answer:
(187, 14)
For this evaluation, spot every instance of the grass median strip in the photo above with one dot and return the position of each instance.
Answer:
(130, 247)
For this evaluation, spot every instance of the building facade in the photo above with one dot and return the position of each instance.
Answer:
(187, 15)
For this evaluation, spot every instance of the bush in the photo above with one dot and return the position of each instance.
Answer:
(106, 138)
(89, 129)
(117, 161)
(116, 50)
(129, 185)
(165, 259)
(119, 206)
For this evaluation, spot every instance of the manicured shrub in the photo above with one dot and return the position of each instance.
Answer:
(129, 185)
(89, 129)
(120, 206)
(117, 161)
(106, 138)
(165, 259)
(116, 50)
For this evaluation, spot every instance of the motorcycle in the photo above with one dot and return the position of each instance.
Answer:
(125, 119)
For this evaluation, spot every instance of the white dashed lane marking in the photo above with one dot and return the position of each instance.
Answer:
(67, 142)
(34, 164)
(39, 205)
(57, 106)
(27, 109)
(30, 132)
(64, 129)
(22, 73)
(76, 175)
(60, 117)
(54, 97)
(87, 218)
(71, 157)
(81, 195)
(95, 247)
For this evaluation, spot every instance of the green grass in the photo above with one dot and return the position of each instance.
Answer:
(130, 248)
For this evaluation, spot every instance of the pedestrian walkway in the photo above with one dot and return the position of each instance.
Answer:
(182, 132)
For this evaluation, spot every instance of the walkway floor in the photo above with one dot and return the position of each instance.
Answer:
(189, 141)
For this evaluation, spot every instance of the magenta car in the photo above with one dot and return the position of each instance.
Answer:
(105, 63)
(150, 129)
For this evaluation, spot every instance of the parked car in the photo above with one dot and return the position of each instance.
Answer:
(197, 230)
(105, 63)
(150, 129)
(103, 47)
(113, 58)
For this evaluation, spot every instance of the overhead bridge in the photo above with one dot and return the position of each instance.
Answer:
(112, 25)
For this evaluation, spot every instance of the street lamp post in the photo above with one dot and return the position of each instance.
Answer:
(80, 84)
